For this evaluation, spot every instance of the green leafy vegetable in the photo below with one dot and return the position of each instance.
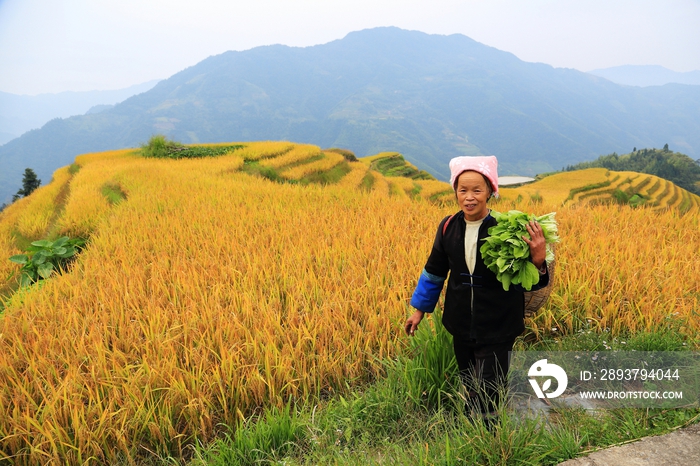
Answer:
(44, 257)
(506, 253)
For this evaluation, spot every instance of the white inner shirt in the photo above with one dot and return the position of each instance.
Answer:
(471, 235)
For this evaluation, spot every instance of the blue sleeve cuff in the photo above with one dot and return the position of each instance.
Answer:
(427, 292)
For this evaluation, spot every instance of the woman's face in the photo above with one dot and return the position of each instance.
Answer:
(472, 194)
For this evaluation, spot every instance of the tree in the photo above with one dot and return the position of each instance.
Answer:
(29, 183)
(665, 147)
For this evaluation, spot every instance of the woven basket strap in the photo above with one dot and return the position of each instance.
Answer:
(444, 226)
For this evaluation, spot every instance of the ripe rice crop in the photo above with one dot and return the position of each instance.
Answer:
(430, 188)
(353, 179)
(261, 150)
(626, 270)
(165, 328)
(395, 189)
(555, 188)
(298, 154)
(86, 207)
(34, 217)
(372, 158)
(380, 186)
(653, 189)
(8, 244)
(598, 185)
(329, 160)
(8, 247)
(208, 293)
(406, 184)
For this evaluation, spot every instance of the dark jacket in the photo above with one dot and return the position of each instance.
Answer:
(496, 315)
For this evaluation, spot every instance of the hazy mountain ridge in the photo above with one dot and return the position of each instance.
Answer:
(429, 97)
(647, 75)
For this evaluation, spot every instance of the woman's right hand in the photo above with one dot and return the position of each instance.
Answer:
(412, 323)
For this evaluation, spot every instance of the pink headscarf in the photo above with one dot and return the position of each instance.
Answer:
(486, 165)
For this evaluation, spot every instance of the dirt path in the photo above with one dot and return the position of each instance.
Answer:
(679, 448)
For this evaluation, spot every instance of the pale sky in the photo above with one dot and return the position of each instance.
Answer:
(78, 45)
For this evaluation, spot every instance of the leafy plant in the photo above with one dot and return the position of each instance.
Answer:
(506, 253)
(44, 257)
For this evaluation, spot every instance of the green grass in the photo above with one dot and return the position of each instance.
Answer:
(331, 176)
(254, 168)
(416, 415)
(641, 185)
(415, 192)
(396, 165)
(676, 194)
(113, 193)
(449, 193)
(686, 204)
(588, 187)
(367, 182)
(536, 198)
(655, 187)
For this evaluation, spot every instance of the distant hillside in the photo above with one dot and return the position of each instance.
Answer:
(428, 97)
(21, 113)
(672, 166)
(647, 75)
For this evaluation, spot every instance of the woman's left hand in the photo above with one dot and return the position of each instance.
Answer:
(536, 242)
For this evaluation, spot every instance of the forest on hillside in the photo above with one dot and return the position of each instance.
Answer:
(673, 166)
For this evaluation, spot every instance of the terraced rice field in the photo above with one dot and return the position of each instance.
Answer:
(207, 293)
(598, 185)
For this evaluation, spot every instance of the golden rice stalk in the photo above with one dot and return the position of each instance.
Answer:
(34, 218)
(556, 188)
(407, 185)
(430, 188)
(380, 187)
(354, 177)
(372, 158)
(620, 284)
(298, 154)
(329, 160)
(262, 150)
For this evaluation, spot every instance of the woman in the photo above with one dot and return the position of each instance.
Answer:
(482, 317)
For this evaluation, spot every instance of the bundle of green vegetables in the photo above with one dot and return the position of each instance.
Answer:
(506, 253)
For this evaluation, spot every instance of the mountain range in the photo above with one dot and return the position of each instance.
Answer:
(430, 97)
(21, 113)
(647, 75)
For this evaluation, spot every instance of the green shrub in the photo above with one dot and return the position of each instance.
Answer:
(161, 147)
